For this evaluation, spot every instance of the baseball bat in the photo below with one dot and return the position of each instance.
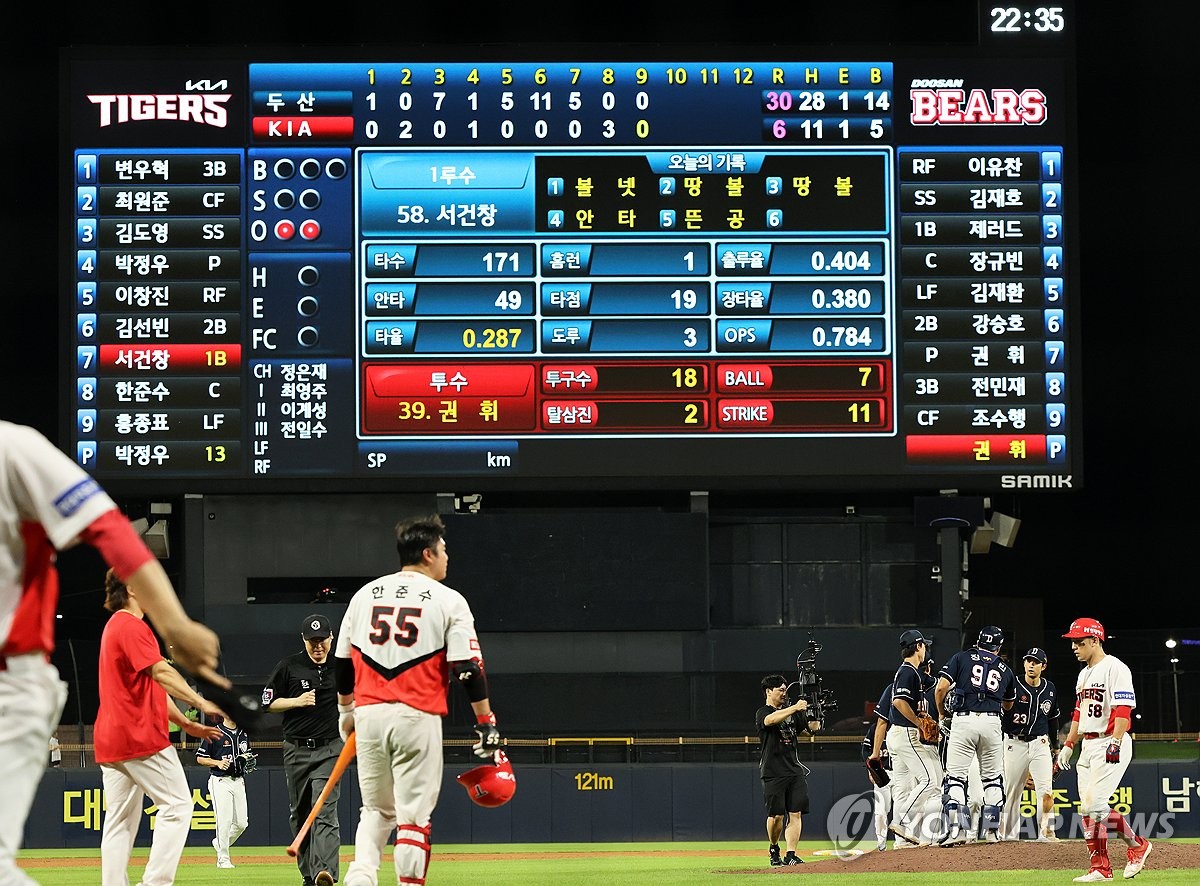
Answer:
(339, 768)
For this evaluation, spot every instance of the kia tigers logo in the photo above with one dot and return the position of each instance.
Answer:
(206, 109)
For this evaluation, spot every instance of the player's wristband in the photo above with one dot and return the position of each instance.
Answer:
(1069, 744)
(485, 719)
(346, 708)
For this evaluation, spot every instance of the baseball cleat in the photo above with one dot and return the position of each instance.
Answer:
(792, 858)
(774, 853)
(1095, 875)
(1137, 856)
(224, 863)
(953, 837)
(903, 834)
(1048, 838)
(991, 837)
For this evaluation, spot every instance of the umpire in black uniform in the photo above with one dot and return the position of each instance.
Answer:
(302, 689)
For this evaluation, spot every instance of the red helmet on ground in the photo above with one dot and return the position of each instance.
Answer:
(1085, 627)
(491, 784)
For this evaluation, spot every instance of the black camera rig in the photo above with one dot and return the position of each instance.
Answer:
(821, 701)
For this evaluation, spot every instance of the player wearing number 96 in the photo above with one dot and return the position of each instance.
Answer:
(983, 688)
(404, 637)
(1104, 703)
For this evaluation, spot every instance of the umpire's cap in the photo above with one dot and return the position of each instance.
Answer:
(913, 637)
(1085, 627)
(990, 638)
(316, 626)
(1035, 654)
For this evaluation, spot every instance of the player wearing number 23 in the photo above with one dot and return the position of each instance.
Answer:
(983, 688)
(1030, 742)
(1104, 703)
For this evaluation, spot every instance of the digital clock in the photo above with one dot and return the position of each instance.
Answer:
(1016, 19)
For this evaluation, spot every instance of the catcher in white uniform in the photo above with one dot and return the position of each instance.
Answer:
(48, 503)
(403, 637)
(1104, 703)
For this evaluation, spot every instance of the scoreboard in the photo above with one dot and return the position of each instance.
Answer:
(843, 265)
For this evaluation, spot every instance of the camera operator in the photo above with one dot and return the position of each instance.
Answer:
(784, 777)
(230, 758)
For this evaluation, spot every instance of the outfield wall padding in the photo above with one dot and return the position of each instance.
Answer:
(588, 804)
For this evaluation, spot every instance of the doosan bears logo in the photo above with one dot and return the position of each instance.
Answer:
(204, 107)
(946, 103)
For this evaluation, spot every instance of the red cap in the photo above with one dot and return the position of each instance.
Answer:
(1085, 627)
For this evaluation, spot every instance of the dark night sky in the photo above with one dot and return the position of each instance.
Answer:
(1118, 549)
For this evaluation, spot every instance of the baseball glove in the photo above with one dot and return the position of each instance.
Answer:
(877, 772)
(931, 732)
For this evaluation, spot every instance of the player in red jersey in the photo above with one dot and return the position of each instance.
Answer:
(133, 745)
(403, 637)
(49, 503)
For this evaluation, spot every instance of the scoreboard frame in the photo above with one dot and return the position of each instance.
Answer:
(813, 267)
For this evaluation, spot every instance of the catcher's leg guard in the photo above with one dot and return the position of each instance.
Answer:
(991, 811)
(991, 818)
(950, 785)
(955, 812)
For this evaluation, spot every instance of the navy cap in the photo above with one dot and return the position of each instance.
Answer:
(990, 637)
(912, 637)
(1036, 654)
(315, 626)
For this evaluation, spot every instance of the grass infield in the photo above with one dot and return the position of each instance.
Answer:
(554, 864)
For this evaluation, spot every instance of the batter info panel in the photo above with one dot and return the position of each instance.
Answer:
(828, 272)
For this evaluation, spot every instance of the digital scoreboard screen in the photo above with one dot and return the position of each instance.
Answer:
(827, 267)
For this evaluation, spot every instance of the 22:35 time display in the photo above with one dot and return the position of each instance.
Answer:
(1015, 19)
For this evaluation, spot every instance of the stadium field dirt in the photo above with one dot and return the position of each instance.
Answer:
(1021, 855)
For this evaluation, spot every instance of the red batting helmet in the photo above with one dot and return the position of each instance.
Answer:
(491, 784)
(1085, 627)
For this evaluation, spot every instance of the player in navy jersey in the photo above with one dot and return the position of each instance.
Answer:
(916, 768)
(979, 687)
(229, 757)
(874, 747)
(1030, 743)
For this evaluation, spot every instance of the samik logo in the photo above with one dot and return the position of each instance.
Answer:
(207, 109)
(958, 107)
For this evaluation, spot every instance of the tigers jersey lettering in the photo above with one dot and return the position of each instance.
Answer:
(1101, 688)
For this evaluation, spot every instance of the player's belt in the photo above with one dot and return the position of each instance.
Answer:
(1024, 737)
(310, 742)
(21, 660)
(977, 713)
(1097, 734)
